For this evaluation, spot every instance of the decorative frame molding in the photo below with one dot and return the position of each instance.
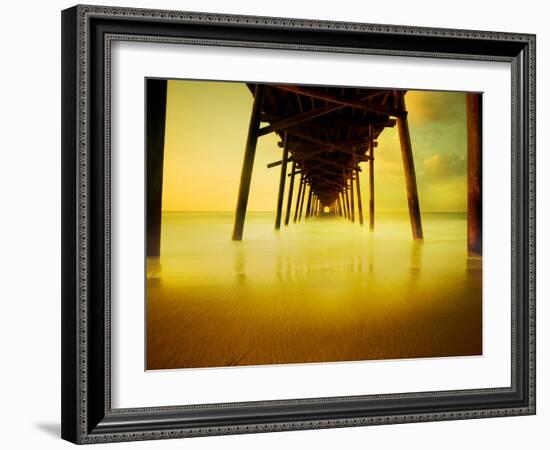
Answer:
(87, 34)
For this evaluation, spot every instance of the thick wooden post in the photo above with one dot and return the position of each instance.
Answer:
(290, 192)
(308, 208)
(473, 119)
(371, 177)
(156, 124)
(359, 201)
(351, 197)
(299, 199)
(302, 201)
(248, 163)
(410, 175)
(344, 208)
(282, 180)
(346, 193)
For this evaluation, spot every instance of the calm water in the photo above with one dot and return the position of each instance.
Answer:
(321, 290)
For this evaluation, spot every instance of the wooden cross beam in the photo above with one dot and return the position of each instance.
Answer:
(326, 182)
(338, 122)
(344, 147)
(321, 159)
(327, 96)
(322, 167)
(277, 163)
(332, 145)
(311, 114)
(299, 118)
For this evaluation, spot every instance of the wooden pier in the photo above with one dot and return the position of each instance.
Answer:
(326, 133)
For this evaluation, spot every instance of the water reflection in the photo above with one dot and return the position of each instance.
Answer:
(324, 290)
(239, 263)
(415, 264)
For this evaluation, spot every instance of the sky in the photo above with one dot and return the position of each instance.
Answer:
(206, 128)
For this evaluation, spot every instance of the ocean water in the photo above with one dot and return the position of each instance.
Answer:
(319, 290)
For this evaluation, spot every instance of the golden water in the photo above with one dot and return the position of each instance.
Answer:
(321, 290)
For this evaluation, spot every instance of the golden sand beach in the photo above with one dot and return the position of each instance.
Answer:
(319, 291)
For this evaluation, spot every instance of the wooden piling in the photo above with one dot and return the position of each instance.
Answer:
(302, 201)
(156, 94)
(346, 193)
(344, 204)
(371, 177)
(290, 192)
(474, 126)
(309, 197)
(352, 201)
(359, 201)
(298, 200)
(281, 184)
(410, 175)
(248, 163)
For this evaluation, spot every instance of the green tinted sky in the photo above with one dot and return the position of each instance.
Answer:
(206, 128)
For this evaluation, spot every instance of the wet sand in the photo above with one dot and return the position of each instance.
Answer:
(318, 291)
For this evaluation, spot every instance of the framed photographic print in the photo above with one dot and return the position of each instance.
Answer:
(279, 224)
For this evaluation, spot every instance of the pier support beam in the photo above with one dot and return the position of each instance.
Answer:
(282, 180)
(352, 197)
(290, 192)
(308, 208)
(359, 201)
(410, 175)
(156, 124)
(371, 177)
(344, 204)
(299, 199)
(347, 202)
(473, 120)
(248, 163)
(302, 201)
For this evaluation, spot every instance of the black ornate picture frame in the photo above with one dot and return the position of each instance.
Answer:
(87, 35)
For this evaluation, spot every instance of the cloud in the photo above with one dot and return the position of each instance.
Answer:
(426, 107)
(444, 165)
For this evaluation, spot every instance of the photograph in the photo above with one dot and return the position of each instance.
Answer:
(278, 220)
(295, 224)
